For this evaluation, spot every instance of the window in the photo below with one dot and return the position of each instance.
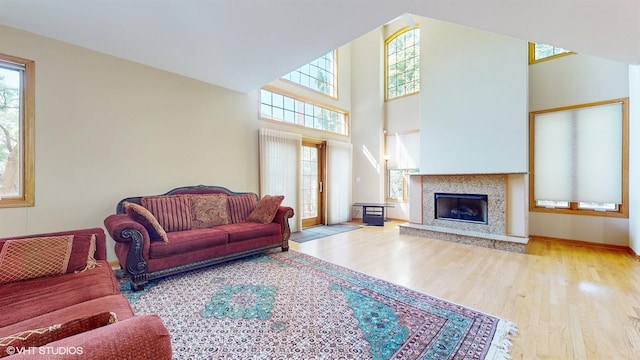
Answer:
(402, 68)
(401, 160)
(17, 86)
(579, 159)
(398, 183)
(319, 75)
(542, 52)
(275, 106)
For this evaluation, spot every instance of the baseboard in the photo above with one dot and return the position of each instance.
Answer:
(584, 243)
(633, 253)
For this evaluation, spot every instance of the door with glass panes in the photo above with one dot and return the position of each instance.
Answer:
(312, 182)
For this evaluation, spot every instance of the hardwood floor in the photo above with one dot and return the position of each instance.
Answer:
(568, 301)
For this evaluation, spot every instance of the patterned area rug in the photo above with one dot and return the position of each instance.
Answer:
(294, 306)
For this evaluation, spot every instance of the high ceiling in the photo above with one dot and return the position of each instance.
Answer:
(244, 44)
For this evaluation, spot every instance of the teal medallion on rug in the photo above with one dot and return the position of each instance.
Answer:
(294, 306)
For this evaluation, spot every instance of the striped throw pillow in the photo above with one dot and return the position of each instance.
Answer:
(240, 206)
(173, 212)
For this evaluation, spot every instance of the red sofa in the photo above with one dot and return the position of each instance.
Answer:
(192, 227)
(69, 301)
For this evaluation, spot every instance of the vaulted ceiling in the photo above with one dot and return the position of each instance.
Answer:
(244, 44)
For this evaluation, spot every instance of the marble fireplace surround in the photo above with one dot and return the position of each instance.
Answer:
(491, 235)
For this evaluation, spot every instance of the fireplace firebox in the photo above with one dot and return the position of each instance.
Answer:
(461, 207)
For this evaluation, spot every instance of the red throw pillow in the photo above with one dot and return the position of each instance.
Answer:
(43, 336)
(266, 209)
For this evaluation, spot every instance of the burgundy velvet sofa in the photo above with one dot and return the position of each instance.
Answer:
(54, 316)
(173, 241)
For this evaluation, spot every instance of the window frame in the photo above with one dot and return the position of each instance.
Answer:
(334, 74)
(26, 198)
(304, 100)
(532, 54)
(386, 62)
(406, 172)
(574, 209)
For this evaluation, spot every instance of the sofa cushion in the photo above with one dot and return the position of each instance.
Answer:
(172, 211)
(45, 335)
(26, 299)
(240, 206)
(181, 242)
(28, 258)
(249, 230)
(142, 215)
(209, 210)
(266, 209)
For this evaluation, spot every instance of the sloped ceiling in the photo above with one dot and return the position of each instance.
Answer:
(244, 44)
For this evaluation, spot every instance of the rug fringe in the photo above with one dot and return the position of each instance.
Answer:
(501, 343)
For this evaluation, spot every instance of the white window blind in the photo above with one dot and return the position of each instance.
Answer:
(578, 154)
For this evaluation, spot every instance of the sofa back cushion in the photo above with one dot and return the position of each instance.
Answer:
(240, 206)
(209, 210)
(172, 211)
(29, 258)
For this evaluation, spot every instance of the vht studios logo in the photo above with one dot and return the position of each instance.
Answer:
(45, 350)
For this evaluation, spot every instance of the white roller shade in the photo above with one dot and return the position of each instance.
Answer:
(578, 154)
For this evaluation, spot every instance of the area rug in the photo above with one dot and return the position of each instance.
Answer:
(294, 306)
(318, 232)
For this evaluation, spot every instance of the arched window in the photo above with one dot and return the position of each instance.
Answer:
(402, 63)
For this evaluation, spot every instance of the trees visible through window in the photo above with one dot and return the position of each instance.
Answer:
(580, 159)
(275, 106)
(16, 131)
(402, 70)
(319, 75)
(540, 52)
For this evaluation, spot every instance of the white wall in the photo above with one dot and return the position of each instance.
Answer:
(402, 116)
(106, 129)
(634, 158)
(473, 101)
(367, 118)
(572, 80)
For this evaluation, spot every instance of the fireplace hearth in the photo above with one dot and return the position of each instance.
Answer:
(461, 207)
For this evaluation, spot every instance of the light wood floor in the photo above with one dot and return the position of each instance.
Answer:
(568, 302)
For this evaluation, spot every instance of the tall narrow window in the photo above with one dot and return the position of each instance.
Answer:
(319, 75)
(580, 158)
(16, 131)
(402, 57)
(541, 52)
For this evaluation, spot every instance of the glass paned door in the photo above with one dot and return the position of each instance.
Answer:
(312, 183)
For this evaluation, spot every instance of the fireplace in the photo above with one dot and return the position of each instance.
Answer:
(461, 207)
(471, 209)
